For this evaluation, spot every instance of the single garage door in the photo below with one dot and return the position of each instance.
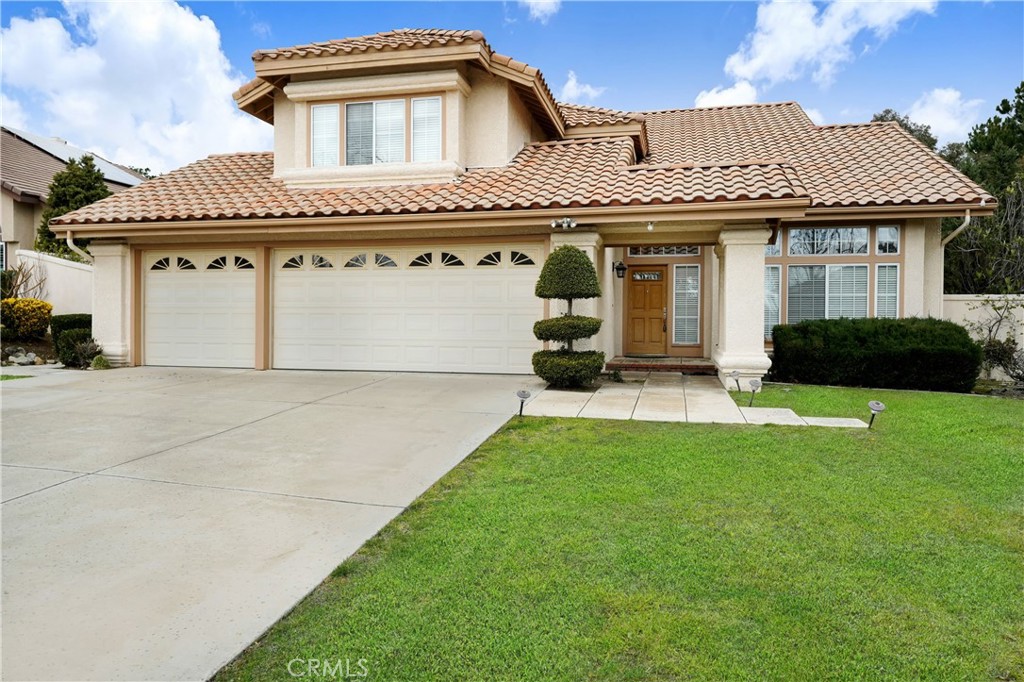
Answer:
(200, 308)
(441, 309)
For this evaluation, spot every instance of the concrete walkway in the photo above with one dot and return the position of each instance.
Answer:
(669, 397)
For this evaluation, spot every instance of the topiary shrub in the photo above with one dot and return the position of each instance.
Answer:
(62, 323)
(568, 274)
(914, 353)
(568, 369)
(67, 346)
(25, 318)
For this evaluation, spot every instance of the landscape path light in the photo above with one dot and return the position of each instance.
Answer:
(735, 374)
(877, 407)
(755, 386)
(523, 395)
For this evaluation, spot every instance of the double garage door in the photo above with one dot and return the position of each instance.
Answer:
(440, 309)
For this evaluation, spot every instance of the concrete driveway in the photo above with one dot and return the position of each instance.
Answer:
(156, 521)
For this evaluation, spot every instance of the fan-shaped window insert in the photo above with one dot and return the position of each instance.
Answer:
(520, 258)
(161, 264)
(357, 261)
(185, 264)
(422, 261)
(493, 258)
(242, 263)
(321, 262)
(384, 261)
(218, 263)
(450, 260)
(293, 263)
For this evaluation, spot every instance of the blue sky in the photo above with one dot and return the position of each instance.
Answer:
(149, 83)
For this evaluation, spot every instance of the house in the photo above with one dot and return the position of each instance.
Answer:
(28, 163)
(419, 179)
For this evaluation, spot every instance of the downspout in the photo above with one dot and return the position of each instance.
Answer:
(74, 247)
(963, 226)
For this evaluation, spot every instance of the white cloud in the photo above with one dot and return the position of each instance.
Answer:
(542, 10)
(740, 93)
(144, 84)
(11, 113)
(815, 116)
(793, 37)
(950, 116)
(574, 91)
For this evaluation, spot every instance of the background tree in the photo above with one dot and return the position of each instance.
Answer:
(78, 185)
(919, 130)
(567, 275)
(144, 172)
(988, 257)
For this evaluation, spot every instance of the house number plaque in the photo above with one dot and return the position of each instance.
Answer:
(641, 276)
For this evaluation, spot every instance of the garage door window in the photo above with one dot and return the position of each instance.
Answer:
(520, 258)
(384, 261)
(422, 261)
(356, 261)
(322, 262)
(493, 258)
(221, 263)
(293, 263)
(450, 260)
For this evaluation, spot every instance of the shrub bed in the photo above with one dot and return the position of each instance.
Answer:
(62, 323)
(913, 353)
(69, 352)
(25, 318)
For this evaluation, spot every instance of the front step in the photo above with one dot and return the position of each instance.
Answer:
(693, 366)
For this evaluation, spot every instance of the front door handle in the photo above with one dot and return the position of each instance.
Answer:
(664, 320)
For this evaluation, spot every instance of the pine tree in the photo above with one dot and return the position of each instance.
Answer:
(79, 184)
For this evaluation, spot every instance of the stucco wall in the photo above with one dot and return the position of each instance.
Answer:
(18, 220)
(967, 309)
(67, 286)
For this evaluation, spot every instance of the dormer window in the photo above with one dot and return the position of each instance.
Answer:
(381, 131)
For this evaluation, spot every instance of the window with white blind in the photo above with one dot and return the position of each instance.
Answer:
(324, 137)
(426, 129)
(817, 292)
(686, 305)
(375, 132)
(887, 290)
(772, 298)
(847, 291)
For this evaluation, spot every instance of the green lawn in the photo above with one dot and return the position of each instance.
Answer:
(598, 550)
(8, 377)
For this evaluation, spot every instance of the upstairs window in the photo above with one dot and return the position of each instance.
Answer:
(383, 131)
(324, 140)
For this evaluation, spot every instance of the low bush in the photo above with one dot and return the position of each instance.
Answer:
(568, 369)
(25, 318)
(566, 328)
(62, 323)
(67, 346)
(913, 353)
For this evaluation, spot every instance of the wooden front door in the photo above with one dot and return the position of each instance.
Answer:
(647, 311)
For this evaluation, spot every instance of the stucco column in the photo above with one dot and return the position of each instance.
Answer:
(591, 244)
(740, 345)
(111, 300)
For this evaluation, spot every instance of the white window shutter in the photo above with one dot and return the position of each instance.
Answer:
(324, 135)
(426, 129)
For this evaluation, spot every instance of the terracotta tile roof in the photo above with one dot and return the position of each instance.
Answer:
(568, 174)
(847, 165)
(580, 115)
(401, 39)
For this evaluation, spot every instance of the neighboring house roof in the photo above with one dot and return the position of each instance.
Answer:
(754, 152)
(60, 150)
(568, 174)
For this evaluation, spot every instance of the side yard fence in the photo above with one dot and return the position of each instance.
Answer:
(67, 284)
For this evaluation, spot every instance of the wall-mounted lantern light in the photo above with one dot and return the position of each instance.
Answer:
(876, 408)
(565, 223)
(620, 269)
(650, 226)
(523, 396)
(755, 386)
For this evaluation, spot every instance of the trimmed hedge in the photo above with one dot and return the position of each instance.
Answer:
(568, 369)
(566, 328)
(67, 346)
(913, 353)
(568, 273)
(25, 318)
(62, 323)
